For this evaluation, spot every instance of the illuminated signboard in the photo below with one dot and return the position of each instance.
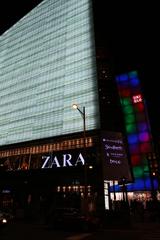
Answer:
(115, 158)
(48, 63)
(44, 161)
(51, 160)
(137, 98)
(66, 160)
(137, 128)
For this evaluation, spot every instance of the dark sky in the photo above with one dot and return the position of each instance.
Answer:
(129, 29)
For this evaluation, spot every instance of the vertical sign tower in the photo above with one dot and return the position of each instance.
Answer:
(137, 129)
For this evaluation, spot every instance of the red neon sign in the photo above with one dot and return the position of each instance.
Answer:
(137, 98)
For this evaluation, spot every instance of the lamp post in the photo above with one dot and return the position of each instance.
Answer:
(152, 165)
(83, 114)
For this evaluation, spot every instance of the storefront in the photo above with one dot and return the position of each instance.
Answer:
(62, 174)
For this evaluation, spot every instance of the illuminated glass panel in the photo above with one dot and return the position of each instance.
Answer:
(145, 147)
(123, 77)
(128, 109)
(132, 74)
(126, 101)
(143, 184)
(139, 107)
(134, 82)
(134, 148)
(144, 137)
(131, 128)
(146, 169)
(138, 171)
(125, 93)
(139, 184)
(135, 160)
(130, 118)
(48, 63)
(132, 138)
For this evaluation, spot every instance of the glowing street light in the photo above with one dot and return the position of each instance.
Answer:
(83, 114)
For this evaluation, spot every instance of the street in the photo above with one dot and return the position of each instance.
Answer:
(26, 231)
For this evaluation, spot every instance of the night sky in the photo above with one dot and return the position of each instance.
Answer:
(129, 30)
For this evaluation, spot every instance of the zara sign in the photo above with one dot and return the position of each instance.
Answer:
(66, 160)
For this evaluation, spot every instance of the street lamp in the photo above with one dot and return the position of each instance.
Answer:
(152, 165)
(83, 114)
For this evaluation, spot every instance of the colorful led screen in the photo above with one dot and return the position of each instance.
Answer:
(137, 126)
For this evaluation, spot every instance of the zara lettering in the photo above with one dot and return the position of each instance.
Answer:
(66, 161)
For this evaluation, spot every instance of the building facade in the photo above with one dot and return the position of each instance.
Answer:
(49, 61)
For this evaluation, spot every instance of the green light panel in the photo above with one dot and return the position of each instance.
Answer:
(138, 171)
(47, 64)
